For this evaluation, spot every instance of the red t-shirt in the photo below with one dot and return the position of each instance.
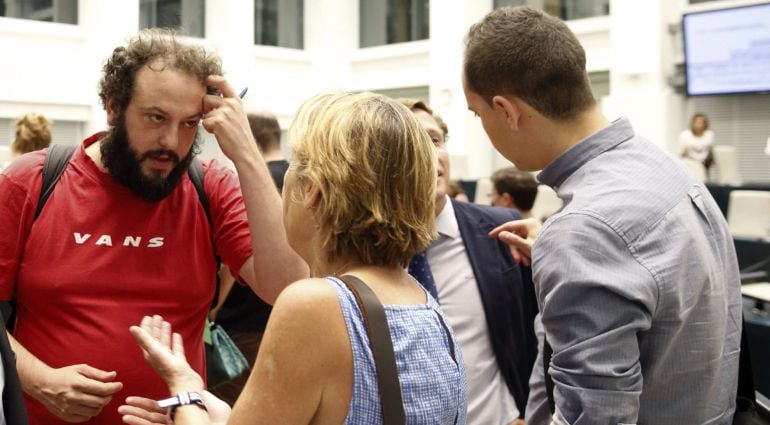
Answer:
(98, 258)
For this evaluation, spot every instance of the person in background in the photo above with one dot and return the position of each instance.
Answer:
(33, 132)
(242, 313)
(488, 298)
(696, 143)
(636, 276)
(456, 192)
(358, 201)
(267, 132)
(124, 234)
(514, 188)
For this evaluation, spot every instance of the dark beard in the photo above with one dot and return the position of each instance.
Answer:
(124, 164)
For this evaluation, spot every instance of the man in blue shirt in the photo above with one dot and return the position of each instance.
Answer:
(636, 277)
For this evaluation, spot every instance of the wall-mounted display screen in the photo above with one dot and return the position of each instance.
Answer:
(727, 50)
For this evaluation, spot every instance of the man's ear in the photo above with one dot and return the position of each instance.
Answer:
(112, 112)
(508, 200)
(510, 109)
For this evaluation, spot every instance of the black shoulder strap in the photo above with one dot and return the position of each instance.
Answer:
(382, 350)
(195, 171)
(57, 157)
(56, 160)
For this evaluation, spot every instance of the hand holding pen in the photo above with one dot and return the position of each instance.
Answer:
(225, 117)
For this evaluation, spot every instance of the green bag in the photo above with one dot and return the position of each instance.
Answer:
(224, 361)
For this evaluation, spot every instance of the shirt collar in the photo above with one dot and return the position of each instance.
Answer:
(558, 170)
(446, 222)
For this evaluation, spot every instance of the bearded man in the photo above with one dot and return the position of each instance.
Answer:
(124, 234)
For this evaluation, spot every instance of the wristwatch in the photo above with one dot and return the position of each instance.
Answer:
(181, 399)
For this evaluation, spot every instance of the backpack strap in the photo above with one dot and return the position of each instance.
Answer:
(195, 171)
(56, 160)
(57, 157)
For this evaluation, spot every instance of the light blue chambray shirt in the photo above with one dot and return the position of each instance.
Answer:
(639, 290)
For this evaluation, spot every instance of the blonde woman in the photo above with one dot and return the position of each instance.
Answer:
(358, 200)
(33, 132)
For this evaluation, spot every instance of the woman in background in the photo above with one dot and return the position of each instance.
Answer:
(33, 132)
(357, 200)
(696, 143)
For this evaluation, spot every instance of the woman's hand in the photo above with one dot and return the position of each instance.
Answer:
(144, 411)
(164, 351)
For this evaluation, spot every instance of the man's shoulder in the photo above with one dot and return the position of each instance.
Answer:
(495, 215)
(26, 167)
(218, 174)
(211, 165)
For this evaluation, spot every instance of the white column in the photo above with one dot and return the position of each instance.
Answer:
(331, 35)
(642, 59)
(471, 153)
(106, 25)
(230, 29)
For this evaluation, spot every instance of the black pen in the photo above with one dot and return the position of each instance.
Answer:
(243, 93)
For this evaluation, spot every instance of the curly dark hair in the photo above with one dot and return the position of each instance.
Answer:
(119, 70)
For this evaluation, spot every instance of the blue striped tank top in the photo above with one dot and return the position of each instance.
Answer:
(433, 386)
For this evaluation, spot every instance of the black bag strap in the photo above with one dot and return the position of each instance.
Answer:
(382, 350)
(56, 160)
(196, 174)
(57, 157)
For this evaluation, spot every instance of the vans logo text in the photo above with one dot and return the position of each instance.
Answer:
(130, 241)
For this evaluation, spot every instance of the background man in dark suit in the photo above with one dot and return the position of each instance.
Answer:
(487, 298)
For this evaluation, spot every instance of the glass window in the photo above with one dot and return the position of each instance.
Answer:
(565, 9)
(279, 23)
(393, 21)
(187, 15)
(62, 11)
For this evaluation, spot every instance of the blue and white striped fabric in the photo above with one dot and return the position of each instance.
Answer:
(433, 386)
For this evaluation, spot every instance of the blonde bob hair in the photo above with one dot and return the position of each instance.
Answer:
(33, 132)
(375, 168)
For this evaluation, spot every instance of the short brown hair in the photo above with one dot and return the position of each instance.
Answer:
(265, 129)
(33, 133)
(419, 105)
(524, 52)
(520, 185)
(119, 70)
(376, 169)
(414, 104)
